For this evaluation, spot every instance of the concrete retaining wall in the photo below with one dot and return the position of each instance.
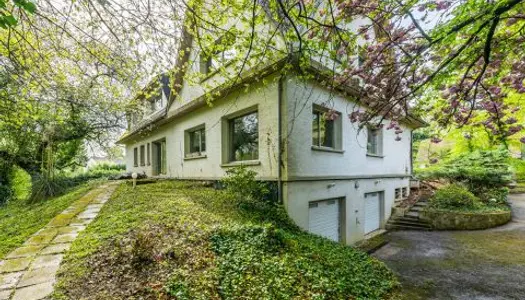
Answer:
(441, 220)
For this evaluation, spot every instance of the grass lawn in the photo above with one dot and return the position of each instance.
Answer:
(19, 219)
(180, 240)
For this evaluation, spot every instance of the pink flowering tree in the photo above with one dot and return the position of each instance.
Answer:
(453, 61)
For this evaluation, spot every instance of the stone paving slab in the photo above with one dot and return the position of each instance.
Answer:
(71, 229)
(87, 215)
(15, 265)
(37, 276)
(4, 295)
(26, 251)
(40, 239)
(34, 292)
(56, 248)
(65, 238)
(9, 280)
(28, 272)
(47, 261)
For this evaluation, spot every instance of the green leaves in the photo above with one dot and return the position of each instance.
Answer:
(26, 5)
(6, 17)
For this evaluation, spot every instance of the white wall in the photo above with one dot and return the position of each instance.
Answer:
(299, 194)
(303, 161)
(264, 97)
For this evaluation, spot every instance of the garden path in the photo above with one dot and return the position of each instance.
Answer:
(28, 272)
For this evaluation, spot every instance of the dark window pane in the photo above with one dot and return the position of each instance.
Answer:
(203, 140)
(244, 137)
(372, 141)
(197, 141)
(327, 133)
(315, 128)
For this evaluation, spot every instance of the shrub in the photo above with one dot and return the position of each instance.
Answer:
(143, 248)
(107, 166)
(20, 182)
(453, 196)
(45, 187)
(5, 193)
(494, 197)
(241, 182)
(478, 170)
(518, 166)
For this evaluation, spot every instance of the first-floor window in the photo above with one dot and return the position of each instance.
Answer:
(148, 154)
(375, 141)
(197, 141)
(142, 155)
(244, 137)
(325, 127)
(135, 157)
(398, 193)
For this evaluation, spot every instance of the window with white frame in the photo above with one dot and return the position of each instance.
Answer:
(196, 141)
(243, 137)
(135, 157)
(326, 127)
(375, 141)
(212, 62)
(148, 154)
(142, 155)
(404, 192)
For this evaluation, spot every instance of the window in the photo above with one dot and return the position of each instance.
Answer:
(213, 62)
(398, 194)
(243, 137)
(405, 192)
(148, 154)
(375, 141)
(142, 155)
(326, 128)
(135, 157)
(196, 141)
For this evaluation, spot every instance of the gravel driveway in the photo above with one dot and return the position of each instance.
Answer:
(484, 264)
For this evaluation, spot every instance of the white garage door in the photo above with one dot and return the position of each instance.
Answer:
(372, 212)
(324, 219)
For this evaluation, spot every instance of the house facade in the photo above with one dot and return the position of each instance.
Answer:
(335, 179)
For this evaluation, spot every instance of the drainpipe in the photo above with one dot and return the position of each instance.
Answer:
(411, 153)
(279, 141)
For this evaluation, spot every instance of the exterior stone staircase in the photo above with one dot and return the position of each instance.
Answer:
(410, 220)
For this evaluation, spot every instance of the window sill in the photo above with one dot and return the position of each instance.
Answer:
(195, 157)
(374, 155)
(241, 163)
(326, 149)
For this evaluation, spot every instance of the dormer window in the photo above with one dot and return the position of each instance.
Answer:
(156, 104)
(209, 64)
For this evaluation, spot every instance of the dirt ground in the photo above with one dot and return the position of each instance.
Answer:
(484, 264)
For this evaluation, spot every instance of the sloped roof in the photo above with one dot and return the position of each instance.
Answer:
(319, 72)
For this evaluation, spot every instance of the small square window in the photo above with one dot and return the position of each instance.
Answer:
(375, 141)
(243, 139)
(324, 128)
(196, 141)
(398, 194)
(405, 192)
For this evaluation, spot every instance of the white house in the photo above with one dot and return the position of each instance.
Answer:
(334, 180)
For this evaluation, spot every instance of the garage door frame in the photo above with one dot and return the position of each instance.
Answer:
(381, 210)
(342, 215)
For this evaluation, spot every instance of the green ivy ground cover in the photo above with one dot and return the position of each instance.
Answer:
(180, 240)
